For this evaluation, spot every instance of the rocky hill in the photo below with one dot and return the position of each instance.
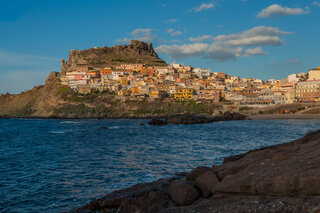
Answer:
(54, 100)
(136, 52)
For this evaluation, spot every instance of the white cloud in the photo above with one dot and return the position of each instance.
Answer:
(256, 40)
(315, 3)
(201, 38)
(183, 51)
(143, 35)
(277, 10)
(122, 40)
(226, 47)
(220, 52)
(138, 34)
(172, 20)
(174, 33)
(261, 35)
(201, 7)
(254, 51)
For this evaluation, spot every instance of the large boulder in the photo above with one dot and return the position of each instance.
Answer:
(206, 182)
(285, 169)
(183, 193)
(194, 174)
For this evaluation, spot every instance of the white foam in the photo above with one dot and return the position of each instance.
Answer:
(57, 132)
(69, 122)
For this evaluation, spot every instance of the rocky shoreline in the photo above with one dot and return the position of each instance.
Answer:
(279, 178)
(177, 119)
(197, 119)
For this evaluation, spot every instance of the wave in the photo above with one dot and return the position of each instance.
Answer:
(57, 132)
(69, 122)
(114, 127)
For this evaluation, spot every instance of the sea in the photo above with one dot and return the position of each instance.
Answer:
(59, 165)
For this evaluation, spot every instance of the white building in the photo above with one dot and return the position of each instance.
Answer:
(293, 78)
(202, 72)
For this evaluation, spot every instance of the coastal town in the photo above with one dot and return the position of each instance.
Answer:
(182, 83)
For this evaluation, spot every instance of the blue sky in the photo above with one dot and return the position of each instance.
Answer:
(247, 38)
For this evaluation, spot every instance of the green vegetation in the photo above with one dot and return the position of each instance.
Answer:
(241, 109)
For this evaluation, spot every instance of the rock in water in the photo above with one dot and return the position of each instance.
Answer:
(189, 119)
(157, 122)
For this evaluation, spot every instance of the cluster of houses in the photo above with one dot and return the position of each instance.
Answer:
(181, 83)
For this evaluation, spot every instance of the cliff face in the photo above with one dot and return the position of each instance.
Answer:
(136, 52)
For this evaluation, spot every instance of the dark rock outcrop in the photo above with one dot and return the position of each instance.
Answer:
(200, 119)
(136, 52)
(280, 178)
(194, 174)
(206, 182)
(228, 116)
(52, 76)
(189, 119)
(157, 122)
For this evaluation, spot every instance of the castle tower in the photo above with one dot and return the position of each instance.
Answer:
(63, 69)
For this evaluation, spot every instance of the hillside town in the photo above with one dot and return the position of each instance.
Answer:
(182, 83)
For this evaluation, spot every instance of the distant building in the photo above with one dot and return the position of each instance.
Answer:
(314, 74)
(308, 91)
(183, 94)
(293, 78)
(201, 72)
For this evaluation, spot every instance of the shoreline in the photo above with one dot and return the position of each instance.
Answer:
(284, 116)
(79, 118)
(278, 178)
(250, 117)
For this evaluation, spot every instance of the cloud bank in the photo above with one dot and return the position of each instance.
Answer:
(277, 10)
(201, 7)
(227, 47)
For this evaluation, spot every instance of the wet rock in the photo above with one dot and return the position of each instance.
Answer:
(157, 122)
(189, 119)
(228, 116)
(141, 124)
(199, 119)
(206, 182)
(233, 158)
(194, 174)
(183, 193)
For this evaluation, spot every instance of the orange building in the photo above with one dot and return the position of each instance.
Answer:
(94, 74)
(105, 72)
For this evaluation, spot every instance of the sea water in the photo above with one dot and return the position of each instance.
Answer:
(58, 165)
